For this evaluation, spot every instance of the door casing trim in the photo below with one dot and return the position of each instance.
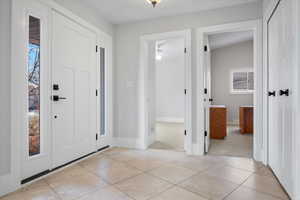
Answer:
(144, 131)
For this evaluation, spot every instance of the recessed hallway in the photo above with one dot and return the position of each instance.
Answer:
(126, 174)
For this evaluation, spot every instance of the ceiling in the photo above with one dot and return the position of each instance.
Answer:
(226, 39)
(123, 11)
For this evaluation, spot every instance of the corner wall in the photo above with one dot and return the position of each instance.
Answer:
(5, 37)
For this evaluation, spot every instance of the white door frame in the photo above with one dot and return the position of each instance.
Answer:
(259, 136)
(11, 181)
(144, 129)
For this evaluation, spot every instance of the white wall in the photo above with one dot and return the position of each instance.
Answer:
(223, 61)
(127, 38)
(170, 83)
(5, 144)
(90, 14)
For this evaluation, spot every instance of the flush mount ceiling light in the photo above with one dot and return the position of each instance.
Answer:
(154, 2)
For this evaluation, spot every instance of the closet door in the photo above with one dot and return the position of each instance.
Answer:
(281, 79)
(286, 81)
(275, 138)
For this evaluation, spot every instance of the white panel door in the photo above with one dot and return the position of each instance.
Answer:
(281, 114)
(73, 61)
(275, 145)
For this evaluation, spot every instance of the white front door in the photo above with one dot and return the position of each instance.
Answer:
(73, 96)
(281, 51)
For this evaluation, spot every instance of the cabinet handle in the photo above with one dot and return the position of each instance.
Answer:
(272, 93)
(284, 92)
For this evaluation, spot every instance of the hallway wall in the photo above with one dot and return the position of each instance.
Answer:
(5, 36)
(170, 81)
(127, 48)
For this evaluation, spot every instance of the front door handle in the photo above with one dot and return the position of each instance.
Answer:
(57, 98)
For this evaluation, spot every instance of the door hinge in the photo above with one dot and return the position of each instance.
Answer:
(185, 132)
(96, 136)
(96, 48)
(205, 48)
(185, 91)
(185, 50)
(205, 133)
(96, 93)
(205, 90)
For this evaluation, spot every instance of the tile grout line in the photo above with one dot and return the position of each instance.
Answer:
(239, 186)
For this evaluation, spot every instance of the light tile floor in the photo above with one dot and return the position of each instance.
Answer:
(169, 136)
(126, 174)
(235, 144)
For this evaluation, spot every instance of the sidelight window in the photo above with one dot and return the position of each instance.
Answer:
(33, 78)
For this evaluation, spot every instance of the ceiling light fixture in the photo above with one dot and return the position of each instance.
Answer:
(154, 2)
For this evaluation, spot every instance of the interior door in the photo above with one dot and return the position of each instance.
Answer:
(207, 93)
(73, 96)
(281, 49)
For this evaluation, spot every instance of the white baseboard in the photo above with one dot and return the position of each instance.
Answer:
(170, 120)
(133, 143)
(8, 185)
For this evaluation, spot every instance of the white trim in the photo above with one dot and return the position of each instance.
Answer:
(170, 120)
(256, 27)
(144, 130)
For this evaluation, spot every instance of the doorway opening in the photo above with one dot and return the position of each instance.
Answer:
(256, 87)
(229, 80)
(165, 91)
(167, 97)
